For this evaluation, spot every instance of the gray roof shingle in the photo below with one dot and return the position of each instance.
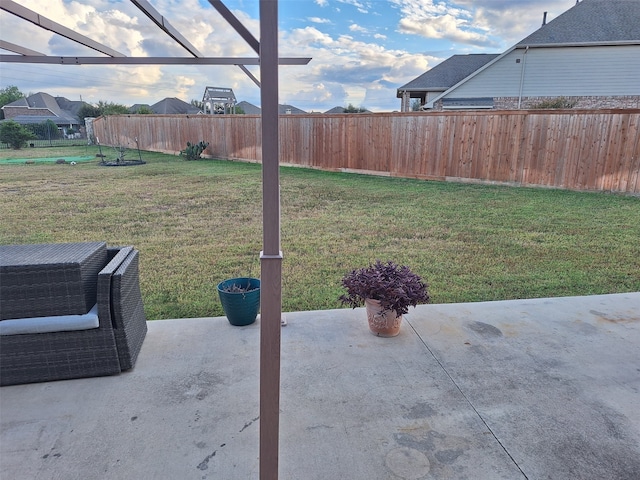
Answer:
(591, 21)
(251, 109)
(283, 109)
(173, 106)
(63, 111)
(449, 72)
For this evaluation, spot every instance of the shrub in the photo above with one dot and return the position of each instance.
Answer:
(395, 286)
(194, 150)
(559, 102)
(15, 134)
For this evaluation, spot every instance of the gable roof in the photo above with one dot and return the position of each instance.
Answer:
(449, 72)
(591, 21)
(135, 108)
(251, 109)
(339, 109)
(63, 111)
(174, 106)
(284, 109)
(38, 100)
(248, 108)
(71, 106)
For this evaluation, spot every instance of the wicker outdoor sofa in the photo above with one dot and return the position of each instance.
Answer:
(42, 287)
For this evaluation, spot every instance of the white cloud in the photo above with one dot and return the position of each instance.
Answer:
(513, 21)
(480, 23)
(357, 28)
(343, 70)
(443, 27)
(318, 20)
(362, 7)
(441, 21)
(347, 69)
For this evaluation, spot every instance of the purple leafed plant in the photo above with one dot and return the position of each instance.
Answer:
(396, 287)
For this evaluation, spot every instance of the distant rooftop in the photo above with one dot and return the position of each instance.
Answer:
(173, 106)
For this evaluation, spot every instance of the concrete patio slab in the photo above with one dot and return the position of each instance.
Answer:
(526, 389)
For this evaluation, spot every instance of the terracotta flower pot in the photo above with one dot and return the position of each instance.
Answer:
(382, 323)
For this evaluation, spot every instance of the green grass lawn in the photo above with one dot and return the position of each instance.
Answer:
(197, 223)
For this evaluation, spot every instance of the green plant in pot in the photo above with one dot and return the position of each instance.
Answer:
(240, 298)
(387, 290)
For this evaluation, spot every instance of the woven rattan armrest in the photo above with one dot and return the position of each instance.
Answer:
(119, 282)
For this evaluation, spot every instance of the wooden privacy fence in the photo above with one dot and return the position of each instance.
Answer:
(578, 150)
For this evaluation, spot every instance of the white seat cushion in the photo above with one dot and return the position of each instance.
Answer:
(61, 323)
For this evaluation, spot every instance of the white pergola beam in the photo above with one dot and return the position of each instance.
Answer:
(12, 47)
(43, 22)
(249, 74)
(146, 60)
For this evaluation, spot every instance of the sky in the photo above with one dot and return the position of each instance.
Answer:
(362, 50)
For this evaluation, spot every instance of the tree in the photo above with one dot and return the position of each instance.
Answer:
(48, 130)
(88, 111)
(144, 110)
(110, 108)
(198, 104)
(15, 134)
(8, 95)
(351, 109)
(103, 108)
(416, 106)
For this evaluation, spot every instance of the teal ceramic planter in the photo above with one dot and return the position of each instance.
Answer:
(242, 303)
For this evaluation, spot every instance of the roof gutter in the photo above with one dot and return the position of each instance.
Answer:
(613, 43)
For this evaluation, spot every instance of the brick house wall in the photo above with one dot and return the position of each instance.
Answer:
(587, 103)
(511, 103)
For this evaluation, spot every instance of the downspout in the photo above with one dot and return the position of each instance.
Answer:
(524, 64)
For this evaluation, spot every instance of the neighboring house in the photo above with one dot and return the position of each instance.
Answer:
(289, 110)
(135, 108)
(174, 106)
(251, 109)
(344, 110)
(588, 55)
(335, 110)
(440, 78)
(40, 107)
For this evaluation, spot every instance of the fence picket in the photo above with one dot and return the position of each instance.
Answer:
(572, 149)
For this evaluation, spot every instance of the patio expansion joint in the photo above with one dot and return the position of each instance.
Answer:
(479, 415)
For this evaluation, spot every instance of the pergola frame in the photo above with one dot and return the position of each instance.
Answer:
(218, 96)
(271, 255)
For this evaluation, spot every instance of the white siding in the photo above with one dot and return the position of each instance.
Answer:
(566, 71)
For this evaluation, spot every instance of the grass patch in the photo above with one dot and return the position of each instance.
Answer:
(30, 160)
(197, 223)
